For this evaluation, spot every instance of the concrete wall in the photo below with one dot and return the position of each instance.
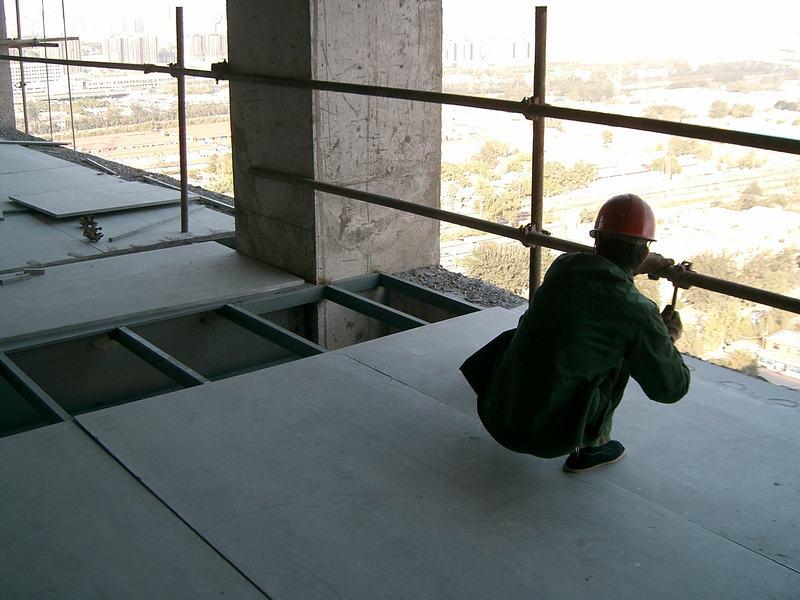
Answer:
(380, 145)
(6, 95)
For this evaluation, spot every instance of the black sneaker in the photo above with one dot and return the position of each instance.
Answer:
(589, 458)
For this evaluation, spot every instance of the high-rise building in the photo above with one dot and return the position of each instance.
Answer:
(131, 49)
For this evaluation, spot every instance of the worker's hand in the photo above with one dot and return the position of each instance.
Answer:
(672, 320)
(652, 262)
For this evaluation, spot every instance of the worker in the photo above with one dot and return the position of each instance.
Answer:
(555, 381)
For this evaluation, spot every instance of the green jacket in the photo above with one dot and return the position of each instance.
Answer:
(567, 366)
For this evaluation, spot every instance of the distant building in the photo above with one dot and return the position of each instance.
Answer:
(487, 52)
(206, 47)
(782, 353)
(131, 49)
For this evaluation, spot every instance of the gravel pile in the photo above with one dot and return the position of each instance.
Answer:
(124, 171)
(470, 289)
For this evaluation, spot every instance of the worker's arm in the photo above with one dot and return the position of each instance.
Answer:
(655, 363)
(653, 262)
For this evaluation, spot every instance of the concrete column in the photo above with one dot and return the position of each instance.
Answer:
(6, 89)
(380, 145)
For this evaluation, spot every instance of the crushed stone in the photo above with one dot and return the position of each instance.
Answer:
(470, 289)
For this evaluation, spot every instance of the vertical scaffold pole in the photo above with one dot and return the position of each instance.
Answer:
(22, 90)
(69, 79)
(537, 162)
(182, 121)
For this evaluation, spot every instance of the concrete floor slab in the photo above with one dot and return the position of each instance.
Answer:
(74, 524)
(114, 195)
(428, 358)
(98, 291)
(28, 239)
(325, 478)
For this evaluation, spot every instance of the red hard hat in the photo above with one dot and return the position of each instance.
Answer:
(627, 215)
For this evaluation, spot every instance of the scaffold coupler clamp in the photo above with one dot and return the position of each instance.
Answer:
(528, 110)
(526, 231)
(682, 267)
(221, 70)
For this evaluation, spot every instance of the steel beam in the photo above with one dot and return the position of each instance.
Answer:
(275, 333)
(283, 301)
(31, 391)
(359, 283)
(423, 294)
(156, 357)
(373, 309)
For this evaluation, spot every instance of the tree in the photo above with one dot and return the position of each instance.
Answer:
(221, 169)
(741, 360)
(608, 137)
(742, 110)
(680, 146)
(749, 161)
(521, 161)
(668, 165)
(504, 265)
(491, 152)
(718, 110)
(748, 198)
(559, 179)
(649, 288)
(666, 112)
(587, 215)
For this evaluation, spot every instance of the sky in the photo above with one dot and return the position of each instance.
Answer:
(584, 30)
(97, 19)
(613, 29)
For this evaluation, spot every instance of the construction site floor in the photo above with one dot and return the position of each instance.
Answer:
(365, 473)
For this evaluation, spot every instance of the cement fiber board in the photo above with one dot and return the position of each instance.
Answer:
(16, 159)
(27, 239)
(731, 442)
(74, 524)
(153, 225)
(115, 195)
(427, 358)
(323, 478)
(724, 457)
(111, 288)
(68, 176)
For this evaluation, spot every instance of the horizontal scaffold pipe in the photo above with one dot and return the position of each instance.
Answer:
(677, 275)
(526, 237)
(526, 107)
(702, 132)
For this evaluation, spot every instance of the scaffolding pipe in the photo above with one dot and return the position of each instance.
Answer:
(675, 274)
(22, 71)
(537, 153)
(31, 43)
(524, 107)
(527, 108)
(182, 121)
(69, 80)
(47, 75)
